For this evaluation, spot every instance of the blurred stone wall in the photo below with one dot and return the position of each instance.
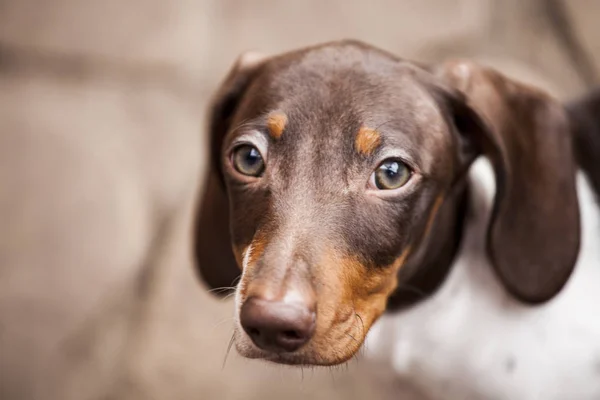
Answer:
(101, 148)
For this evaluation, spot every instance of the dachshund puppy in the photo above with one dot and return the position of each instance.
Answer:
(345, 181)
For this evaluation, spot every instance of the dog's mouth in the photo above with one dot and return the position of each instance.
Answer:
(333, 342)
(312, 354)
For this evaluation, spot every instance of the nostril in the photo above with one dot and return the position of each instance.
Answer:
(292, 335)
(253, 331)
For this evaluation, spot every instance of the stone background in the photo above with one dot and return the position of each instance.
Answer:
(101, 148)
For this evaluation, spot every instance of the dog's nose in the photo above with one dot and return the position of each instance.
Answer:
(276, 325)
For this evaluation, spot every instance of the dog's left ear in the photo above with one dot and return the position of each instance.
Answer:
(215, 260)
(534, 231)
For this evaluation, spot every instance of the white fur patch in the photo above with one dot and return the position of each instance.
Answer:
(247, 255)
(472, 340)
(238, 301)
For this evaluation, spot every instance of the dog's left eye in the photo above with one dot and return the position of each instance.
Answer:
(390, 174)
(247, 160)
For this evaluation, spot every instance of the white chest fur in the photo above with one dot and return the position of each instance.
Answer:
(472, 340)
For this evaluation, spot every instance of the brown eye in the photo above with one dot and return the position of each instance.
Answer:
(391, 174)
(247, 160)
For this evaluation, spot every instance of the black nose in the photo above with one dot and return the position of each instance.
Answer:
(277, 326)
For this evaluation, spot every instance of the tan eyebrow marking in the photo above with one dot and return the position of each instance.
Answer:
(276, 124)
(367, 140)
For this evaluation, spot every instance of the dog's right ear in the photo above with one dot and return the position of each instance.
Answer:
(215, 260)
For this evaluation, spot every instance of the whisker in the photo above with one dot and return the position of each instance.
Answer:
(221, 322)
(228, 349)
(352, 337)
(361, 323)
(236, 281)
(230, 295)
(221, 289)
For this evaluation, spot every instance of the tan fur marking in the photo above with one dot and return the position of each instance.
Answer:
(276, 124)
(356, 297)
(352, 296)
(258, 248)
(434, 210)
(399, 262)
(257, 245)
(367, 141)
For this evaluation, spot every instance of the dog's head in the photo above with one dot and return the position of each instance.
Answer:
(337, 178)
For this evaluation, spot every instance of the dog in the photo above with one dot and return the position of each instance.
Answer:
(446, 202)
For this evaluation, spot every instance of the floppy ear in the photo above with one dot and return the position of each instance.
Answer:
(534, 232)
(584, 114)
(214, 256)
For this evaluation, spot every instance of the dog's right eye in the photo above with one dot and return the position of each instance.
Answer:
(247, 160)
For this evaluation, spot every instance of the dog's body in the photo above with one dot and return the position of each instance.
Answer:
(346, 182)
(473, 340)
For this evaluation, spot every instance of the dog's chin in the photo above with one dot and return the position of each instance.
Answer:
(305, 356)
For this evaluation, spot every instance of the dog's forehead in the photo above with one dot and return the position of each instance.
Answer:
(351, 84)
(348, 73)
